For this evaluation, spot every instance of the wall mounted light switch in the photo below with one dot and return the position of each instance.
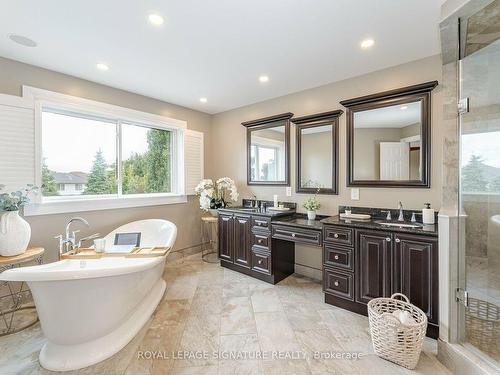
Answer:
(288, 191)
(355, 194)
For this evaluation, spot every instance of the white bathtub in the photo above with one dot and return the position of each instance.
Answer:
(90, 309)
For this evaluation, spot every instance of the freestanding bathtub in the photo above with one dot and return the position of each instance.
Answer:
(90, 309)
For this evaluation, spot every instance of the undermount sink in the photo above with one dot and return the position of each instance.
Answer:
(400, 225)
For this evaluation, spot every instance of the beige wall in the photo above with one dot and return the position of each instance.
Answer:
(228, 136)
(14, 74)
(225, 144)
(229, 156)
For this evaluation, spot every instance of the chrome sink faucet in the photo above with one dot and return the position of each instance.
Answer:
(401, 215)
(388, 212)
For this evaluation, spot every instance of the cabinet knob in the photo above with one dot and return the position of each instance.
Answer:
(259, 240)
(259, 261)
(336, 235)
(398, 240)
(336, 283)
(388, 239)
(293, 234)
(336, 257)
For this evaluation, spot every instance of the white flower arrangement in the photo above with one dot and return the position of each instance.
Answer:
(214, 195)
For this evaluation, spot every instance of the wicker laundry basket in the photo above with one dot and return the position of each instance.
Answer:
(482, 326)
(392, 340)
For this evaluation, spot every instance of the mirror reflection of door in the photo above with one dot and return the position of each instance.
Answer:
(387, 143)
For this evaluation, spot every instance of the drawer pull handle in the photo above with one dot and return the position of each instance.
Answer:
(398, 240)
(336, 235)
(293, 234)
(336, 257)
(260, 261)
(336, 283)
(388, 239)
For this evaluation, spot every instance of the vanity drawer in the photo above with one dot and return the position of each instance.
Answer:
(261, 239)
(338, 283)
(262, 223)
(261, 262)
(337, 256)
(338, 235)
(307, 236)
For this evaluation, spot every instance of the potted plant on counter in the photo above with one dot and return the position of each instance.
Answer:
(214, 196)
(15, 232)
(312, 205)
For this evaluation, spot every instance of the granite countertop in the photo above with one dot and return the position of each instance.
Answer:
(257, 211)
(300, 220)
(430, 230)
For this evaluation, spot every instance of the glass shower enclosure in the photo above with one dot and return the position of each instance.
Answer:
(479, 264)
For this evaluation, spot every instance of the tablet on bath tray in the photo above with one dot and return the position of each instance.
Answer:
(125, 242)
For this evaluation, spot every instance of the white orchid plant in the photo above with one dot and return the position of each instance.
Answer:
(218, 194)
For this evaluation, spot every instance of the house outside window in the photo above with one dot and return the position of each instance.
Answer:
(118, 158)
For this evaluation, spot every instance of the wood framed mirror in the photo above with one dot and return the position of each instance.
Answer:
(317, 162)
(268, 150)
(389, 138)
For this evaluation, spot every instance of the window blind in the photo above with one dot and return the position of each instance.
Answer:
(193, 159)
(17, 142)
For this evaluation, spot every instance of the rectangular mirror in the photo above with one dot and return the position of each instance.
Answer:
(317, 153)
(388, 138)
(268, 143)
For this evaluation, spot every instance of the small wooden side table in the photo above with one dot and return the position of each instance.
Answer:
(18, 296)
(209, 239)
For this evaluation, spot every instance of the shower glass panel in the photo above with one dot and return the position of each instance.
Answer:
(479, 271)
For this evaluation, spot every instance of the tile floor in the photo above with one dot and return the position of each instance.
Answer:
(207, 309)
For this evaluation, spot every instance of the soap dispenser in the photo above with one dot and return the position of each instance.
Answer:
(428, 214)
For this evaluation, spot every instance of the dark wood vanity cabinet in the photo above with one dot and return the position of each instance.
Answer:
(373, 265)
(226, 237)
(385, 262)
(246, 245)
(242, 247)
(234, 239)
(416, 272)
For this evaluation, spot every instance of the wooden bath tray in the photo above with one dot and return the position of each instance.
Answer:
(136, 252)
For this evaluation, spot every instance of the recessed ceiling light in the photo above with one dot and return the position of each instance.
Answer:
(22, 40)
(102, 67)
(367, 43)
(405, 107)
(156, 19)
(203, 100)
(263, 79)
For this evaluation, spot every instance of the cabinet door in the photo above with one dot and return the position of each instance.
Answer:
(226, 235)
(415, 272)
(373, 265)
(242, 246)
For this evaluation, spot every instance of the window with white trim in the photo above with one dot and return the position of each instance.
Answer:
(95, 156)
(53, 139)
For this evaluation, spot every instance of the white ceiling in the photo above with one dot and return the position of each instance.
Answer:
(397, 116)
(218, 49)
